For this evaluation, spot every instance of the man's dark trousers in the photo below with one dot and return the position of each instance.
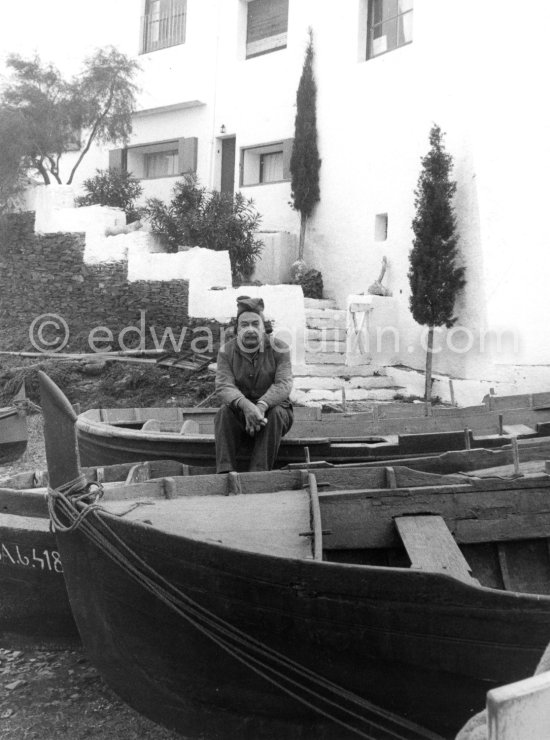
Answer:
(230, 426)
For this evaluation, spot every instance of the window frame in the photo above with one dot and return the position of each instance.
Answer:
(371, 26)
(132, 158)
(263, 181)
(173, 16)
(252, 48)
(173, 152)
(283, 146)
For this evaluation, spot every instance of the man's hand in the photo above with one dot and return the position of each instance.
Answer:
(254, 416)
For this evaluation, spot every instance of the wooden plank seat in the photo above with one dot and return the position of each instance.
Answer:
(543, 428)
(431, 546)
(519, 430)
(433, 442)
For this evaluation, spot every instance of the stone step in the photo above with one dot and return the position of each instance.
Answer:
(340, 370)
(325, 313)
(326, 334)
(326, 322)
(319, 303)
(356, 394)
(315, 382)
(325, 358)
(324, 346)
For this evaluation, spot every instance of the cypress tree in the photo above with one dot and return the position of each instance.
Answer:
(434, 278)
(304, 161)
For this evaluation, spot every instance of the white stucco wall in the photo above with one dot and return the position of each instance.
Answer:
(280, 250)
(284, 305)
(512, 159)
(202, 267)
(55, 212)
(372, 333)
(100, 248)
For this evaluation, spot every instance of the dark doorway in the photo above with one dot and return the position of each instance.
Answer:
(228, 165)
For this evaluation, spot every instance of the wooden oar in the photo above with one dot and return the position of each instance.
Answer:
(60, 433)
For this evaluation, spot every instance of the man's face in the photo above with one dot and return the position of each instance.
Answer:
(250, 329)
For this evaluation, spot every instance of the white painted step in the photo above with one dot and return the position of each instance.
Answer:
(325, 313)
(340, 370)
(326, 334)
(310, 382)
(319, 303)
(335, 396)
(325, 358)
(324, 324)
(324, 346)
(325, 318)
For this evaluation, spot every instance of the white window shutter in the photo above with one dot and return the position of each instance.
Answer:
(187, 149)
(117, 159)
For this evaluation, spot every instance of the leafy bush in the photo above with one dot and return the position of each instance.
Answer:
(311, 280)
(210, 219)
(112, 188)
(12, 171)
(312, 284)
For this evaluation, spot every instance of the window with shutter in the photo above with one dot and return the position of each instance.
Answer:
(267, 25)
(118, 159)
(389, 25)
(161, 164)
(266, 163)
(163, 24)
(187, 161)
(171, 158)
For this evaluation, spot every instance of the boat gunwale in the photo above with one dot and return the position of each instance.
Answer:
(446, 580)
(105, 429)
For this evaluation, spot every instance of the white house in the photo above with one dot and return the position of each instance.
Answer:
(219, 85)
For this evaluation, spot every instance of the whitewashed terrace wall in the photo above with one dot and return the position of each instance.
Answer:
(284, 305)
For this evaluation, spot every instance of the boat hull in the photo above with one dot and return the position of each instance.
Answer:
(107, 437)
(34, 603)
(420, 644)
(98, 449)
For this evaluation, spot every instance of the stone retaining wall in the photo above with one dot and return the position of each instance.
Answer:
(46, 273)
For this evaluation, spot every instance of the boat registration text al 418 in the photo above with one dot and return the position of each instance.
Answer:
(12, 554)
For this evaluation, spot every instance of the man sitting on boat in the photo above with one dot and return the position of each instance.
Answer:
(254, 381)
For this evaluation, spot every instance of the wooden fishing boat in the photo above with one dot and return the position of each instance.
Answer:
(455, 461)
(109, 436)
(33, 601)
(259, 613)
(13, 428)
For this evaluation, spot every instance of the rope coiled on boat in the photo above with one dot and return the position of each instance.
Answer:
(74, 506)
(80, 491)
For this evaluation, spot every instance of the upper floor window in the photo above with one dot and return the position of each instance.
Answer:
(266, 26)
(163, 24)
(389, 25)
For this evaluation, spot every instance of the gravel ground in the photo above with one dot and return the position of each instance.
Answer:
(49, 693)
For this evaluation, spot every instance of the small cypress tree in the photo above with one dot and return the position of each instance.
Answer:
(304, 161)
(434, 278)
